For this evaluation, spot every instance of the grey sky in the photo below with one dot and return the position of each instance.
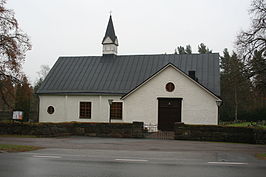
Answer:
(76, 27)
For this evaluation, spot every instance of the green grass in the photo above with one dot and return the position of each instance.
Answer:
(242, 124)
(247, 124)
(261, 156)
(17, 148)
(19, 136)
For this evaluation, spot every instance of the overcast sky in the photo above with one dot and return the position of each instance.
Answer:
(76, 27)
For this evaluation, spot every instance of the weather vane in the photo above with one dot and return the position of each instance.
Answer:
(110, 12)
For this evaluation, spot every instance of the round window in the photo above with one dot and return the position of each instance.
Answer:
(170, 87)
(50, 109)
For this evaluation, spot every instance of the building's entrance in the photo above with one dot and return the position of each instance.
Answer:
(169, 112)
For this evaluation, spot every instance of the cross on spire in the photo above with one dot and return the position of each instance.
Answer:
(110, 31)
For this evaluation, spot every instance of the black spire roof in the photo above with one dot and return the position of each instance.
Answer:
(110, 31)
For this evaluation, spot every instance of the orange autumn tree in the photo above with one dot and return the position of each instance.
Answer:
(13, 45)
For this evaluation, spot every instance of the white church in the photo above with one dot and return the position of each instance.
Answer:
(158, 90)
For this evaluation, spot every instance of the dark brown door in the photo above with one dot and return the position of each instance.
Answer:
(169, 113)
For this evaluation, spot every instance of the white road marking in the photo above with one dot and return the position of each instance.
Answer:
(40, 154)
(228, 163)
(47, 156)
(132, 160)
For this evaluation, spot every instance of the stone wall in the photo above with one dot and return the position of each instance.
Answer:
(220, 133)
(122, 130)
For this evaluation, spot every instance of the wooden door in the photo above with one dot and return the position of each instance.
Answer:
(169, 112)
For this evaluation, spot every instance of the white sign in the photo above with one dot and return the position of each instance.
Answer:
(17, 115)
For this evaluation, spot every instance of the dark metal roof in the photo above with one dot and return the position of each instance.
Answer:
(121, 74)
(110, 31)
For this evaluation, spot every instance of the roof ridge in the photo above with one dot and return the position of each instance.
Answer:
(125, 71)
(81, 56)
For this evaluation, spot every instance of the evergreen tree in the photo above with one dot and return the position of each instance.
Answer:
(235, 86)
(181, 50)
(23, 98)
(202, 49)
(7, 94)
(258, 69)
(252, 46)
(188, 49)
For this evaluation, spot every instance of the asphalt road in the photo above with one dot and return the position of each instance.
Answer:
(107, 157)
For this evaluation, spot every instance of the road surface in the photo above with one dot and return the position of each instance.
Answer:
(110, 157)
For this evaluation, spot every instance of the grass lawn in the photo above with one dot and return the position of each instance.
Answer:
(17, 148)
(19, 136)
(240, 124)
(261, 156)
(247, 124)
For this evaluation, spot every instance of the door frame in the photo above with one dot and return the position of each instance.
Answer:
(158, 107)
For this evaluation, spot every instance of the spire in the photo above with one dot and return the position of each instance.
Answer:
(110, 32)
(110, 41)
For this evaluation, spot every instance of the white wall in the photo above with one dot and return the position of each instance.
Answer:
(198, 106)
(67, 108)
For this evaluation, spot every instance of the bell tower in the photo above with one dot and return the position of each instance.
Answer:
(110, 42)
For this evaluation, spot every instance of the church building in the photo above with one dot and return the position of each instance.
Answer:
(158, 90)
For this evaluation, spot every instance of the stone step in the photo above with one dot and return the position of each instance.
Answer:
(168, 135)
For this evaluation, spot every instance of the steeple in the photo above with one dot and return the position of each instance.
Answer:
(110, 41)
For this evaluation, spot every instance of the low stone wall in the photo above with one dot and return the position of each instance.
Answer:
(122, 130)
(220, 133)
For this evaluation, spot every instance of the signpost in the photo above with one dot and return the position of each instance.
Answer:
(17, 115)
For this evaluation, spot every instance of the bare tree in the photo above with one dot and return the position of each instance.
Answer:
(251, 45)
(44, 71)
(42, 74)
(255, 38)
(13, 45)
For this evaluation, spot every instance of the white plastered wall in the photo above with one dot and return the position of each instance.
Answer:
(67, 108)
(198, 106)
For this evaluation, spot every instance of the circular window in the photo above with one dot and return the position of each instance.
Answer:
(50, 109)
(170, 87)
